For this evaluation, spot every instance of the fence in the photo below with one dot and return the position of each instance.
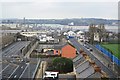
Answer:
(107, 53)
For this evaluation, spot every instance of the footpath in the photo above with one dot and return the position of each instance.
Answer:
(41, 70)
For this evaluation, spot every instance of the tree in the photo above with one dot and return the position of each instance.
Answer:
(91, 33)
(62, 64)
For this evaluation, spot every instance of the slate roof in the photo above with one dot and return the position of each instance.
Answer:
(86, 73)
(78, 60)
(61, 46)
(95, 75)
(84, 68)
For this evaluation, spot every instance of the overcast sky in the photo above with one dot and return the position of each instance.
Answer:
(57, 10)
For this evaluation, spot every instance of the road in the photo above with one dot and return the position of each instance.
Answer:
(14, 49)
(105, 59)
(17, 68)
(77, 45)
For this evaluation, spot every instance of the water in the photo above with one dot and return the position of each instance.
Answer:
(63, 27)
(85, 28)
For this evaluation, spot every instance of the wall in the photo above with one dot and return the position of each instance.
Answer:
(68, 51)
(57, 53)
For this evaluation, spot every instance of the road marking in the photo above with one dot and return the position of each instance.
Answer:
(5, 68)
(15, 76)
(22, 67)
(8, 49)
(13, 71)
(23, 71)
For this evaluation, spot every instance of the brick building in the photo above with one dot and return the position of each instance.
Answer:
(66, 50)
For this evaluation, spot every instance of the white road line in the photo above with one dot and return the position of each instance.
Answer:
(5, 68)
(8, 49)
(23, 71)
(13, 71)
(15, 76)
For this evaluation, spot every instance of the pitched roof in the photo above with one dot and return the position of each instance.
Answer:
(86, 73)
(95, 75)
(61, 46)
(78, 59)
(81, 67)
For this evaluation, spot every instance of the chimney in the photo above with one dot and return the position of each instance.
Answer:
(97, 69)
(81, 50)
(92, 63)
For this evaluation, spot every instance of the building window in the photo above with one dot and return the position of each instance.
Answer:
(56, 52)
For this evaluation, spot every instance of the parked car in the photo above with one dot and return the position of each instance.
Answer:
(91, 49)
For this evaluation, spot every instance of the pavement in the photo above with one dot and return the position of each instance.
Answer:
(78, 46)
(106, 60)
(41, 70)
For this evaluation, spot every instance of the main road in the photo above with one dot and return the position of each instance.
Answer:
(9, 64)
(78, 46)
(14, 49)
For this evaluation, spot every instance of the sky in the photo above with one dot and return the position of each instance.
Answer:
(51, 9)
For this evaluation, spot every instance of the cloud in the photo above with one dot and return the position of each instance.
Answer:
(59, 9)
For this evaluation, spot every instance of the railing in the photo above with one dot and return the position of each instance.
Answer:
(107, 53)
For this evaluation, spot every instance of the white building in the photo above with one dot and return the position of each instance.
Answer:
(71, 33)
(80, 35)
(29, 34)
(96, 36)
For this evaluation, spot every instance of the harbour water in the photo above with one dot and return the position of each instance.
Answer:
(85, 28)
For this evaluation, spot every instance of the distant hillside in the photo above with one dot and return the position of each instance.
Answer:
(76, 21)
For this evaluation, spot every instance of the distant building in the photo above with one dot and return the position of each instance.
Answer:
(71, 24)
(80, 35)
(29, 34)
(97, 33)
(71, 33)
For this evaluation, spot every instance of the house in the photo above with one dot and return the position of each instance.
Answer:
(97, 33)
(88, 69)
(71, 33)
(80, 35)
(57, 50)
(84, 67)
(78, 59)
(96, 36)
(66, 50)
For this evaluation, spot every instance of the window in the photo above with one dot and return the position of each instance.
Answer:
(56, 52)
